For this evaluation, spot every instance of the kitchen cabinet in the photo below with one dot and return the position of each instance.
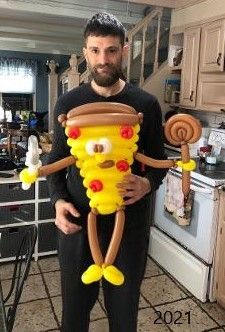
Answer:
(19, 208)
(210, 93)
(212, 47)
(220, 254)
(190, 67)
(203, 72)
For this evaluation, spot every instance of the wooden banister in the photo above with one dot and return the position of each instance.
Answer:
(142, 27)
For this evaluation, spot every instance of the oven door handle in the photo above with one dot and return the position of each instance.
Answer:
(201, 189)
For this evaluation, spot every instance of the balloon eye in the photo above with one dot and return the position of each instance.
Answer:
(126, 132)
(74, 132)
(102, 146)
(106, 145)
(90, 147)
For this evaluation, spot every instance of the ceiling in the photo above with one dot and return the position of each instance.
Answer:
(56, 26)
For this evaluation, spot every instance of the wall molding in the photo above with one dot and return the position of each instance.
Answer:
(180, 4)
(174, 4)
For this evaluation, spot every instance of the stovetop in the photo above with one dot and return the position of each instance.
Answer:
(213, 175)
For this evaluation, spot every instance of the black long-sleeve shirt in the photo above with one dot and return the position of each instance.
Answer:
(67, 183)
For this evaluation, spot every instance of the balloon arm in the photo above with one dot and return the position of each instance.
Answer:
(186, 164)
(34, 164)
(56, 166)
(154, 162)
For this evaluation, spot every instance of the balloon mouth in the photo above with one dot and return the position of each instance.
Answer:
(106, 164)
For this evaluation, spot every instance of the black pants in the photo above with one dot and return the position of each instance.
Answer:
(121, 302)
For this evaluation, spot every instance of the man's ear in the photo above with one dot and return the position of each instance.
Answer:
(125, 51)
(125, 56)
(85, 52)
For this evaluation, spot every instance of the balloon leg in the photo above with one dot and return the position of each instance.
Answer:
(110, 272)
(94, 272)
(116, 238)
(93, 239)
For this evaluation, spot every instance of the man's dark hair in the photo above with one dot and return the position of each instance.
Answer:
(104, 24)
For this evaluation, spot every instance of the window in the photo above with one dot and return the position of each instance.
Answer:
(17, 75)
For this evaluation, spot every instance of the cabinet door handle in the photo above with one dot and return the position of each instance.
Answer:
(191, 95)
(219, 59)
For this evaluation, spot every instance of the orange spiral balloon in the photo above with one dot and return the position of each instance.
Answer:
(182, 129)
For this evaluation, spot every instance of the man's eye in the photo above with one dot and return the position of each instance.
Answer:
(112, 51)
(94, 51)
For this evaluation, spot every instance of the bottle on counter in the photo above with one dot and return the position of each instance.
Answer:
(204, 152)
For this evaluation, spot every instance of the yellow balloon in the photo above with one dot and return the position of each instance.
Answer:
(104, 156)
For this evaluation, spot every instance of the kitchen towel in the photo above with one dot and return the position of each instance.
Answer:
(175, 203)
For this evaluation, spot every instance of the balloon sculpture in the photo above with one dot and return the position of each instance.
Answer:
(103, 139)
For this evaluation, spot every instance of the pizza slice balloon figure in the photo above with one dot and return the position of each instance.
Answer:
(103, 140)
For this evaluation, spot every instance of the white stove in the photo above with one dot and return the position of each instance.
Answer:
(187, 252)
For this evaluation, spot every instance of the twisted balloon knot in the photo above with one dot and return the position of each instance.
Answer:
(94, 211)
(188, 166)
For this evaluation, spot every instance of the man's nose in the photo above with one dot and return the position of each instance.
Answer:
(103, 58)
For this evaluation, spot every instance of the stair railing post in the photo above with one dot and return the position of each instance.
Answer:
(143, 56)
(52, 92)
(156, 63)
(73, 74)
(129, 56)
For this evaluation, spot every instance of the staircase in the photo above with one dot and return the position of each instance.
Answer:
(148, 49)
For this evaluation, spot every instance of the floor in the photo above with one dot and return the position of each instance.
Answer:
(40, 307)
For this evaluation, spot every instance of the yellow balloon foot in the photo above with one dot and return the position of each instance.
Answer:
(113, 275)
(92, 274)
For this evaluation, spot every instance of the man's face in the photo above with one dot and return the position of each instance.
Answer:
(104, 59)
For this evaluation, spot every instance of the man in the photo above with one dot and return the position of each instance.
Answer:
(104, 50)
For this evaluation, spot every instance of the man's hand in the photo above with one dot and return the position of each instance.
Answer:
(133, 188)
(63, 210)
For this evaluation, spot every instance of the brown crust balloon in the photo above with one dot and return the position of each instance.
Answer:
(101, 108)
(108, 119)
(92, 115)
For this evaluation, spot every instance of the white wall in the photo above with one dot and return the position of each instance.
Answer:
(156, 85)
(204, 10)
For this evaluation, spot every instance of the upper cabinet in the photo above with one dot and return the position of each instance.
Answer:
(190, 67)
(212, 47)
(203, 71)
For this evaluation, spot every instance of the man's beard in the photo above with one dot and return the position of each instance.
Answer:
(106, 79)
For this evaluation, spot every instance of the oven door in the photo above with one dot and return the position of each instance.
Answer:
(198, 237)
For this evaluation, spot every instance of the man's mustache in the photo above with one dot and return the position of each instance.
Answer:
(103, 66)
